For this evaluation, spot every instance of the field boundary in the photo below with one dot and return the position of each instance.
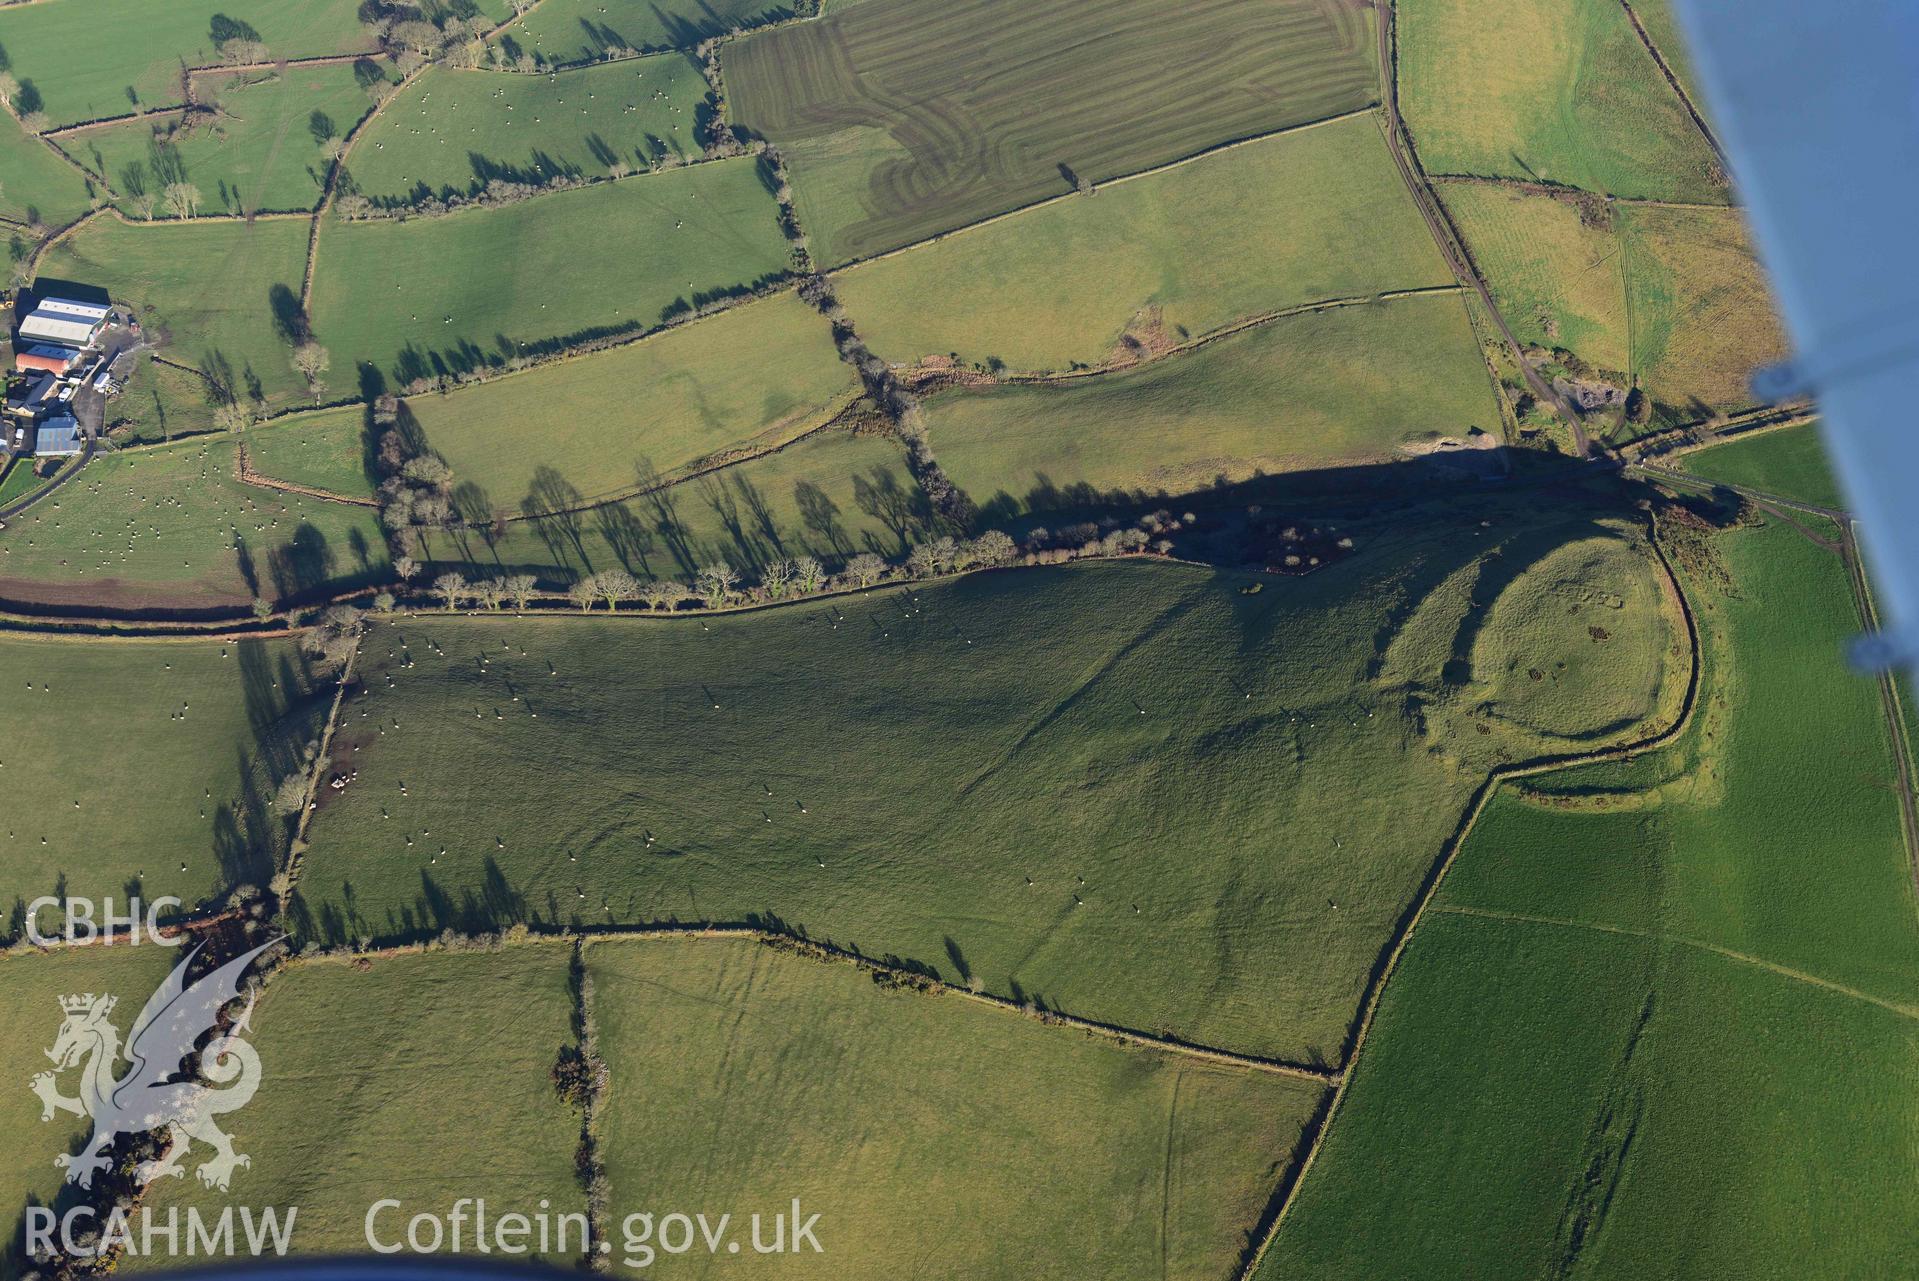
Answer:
(1555, 190)
(1436, 875)
(1679, 90)
(209, 69)
(903, 976)
(633, 55)
(1889, 700)
(707, 465)
(331, 186)
(1753, 422)
(298, 844)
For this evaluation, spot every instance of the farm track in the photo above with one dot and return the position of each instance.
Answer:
(1226, 331)
(1452, 246)
(66, 474)
(1900, 1008)
(1287, 1195)
(40, 250)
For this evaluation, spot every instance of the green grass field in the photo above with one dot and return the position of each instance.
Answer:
(30, 990)
(567, 31)
(1673, 297)
(90, 59)
(660, 405)
(1169, 256)
(37, 183)
(772, 1086)
(17, 480)
(172, 526)
(452, 131)
(322, 449)
(424, 1078)
(1702, 317)
(892, 135)
(1555, 276)
(203, 290)
(936, 750)
(260, 152)
(1747, 879)
(160, 401)
(201, 733)
(1552, 90)
(1330, 388)
(480, 286)
(1790, 462)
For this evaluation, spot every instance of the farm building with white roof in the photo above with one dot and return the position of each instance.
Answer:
(65, 322)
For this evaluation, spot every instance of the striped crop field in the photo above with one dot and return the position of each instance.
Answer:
(893, 134)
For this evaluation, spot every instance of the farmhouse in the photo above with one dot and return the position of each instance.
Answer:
(33, 398)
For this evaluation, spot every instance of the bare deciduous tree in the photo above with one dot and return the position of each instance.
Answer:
(182, 199)
(311, 360)
(291, 796)
(614, 586)
(716, 584)
(777, 578)
(865, 569)
(334, 637)
(519, 587)
(808, 575)
(450, 588)
(232, 416)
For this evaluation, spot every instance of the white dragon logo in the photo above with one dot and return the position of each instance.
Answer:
(153, 1094)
